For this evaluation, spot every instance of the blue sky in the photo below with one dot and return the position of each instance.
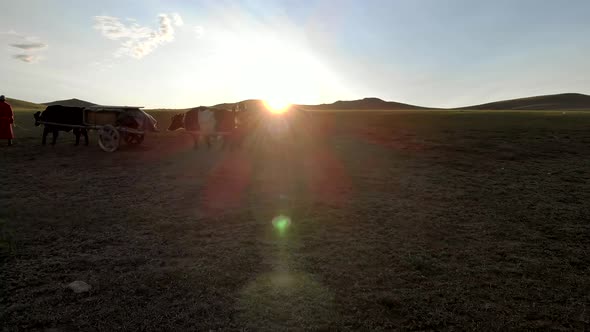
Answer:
(162, 53)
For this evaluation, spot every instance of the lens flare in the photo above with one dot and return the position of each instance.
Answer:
(281, 223)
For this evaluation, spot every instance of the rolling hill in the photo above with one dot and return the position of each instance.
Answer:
(21, 104)
(564, 101)
(70, 102)
(363, 104)
(250, 103)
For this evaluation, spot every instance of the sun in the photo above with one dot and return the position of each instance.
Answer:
(277, 106)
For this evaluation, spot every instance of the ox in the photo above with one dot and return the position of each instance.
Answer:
(63, 115)
(208, 122)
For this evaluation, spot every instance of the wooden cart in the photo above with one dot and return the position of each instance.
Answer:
(104, 119)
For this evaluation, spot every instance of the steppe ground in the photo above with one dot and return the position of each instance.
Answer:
(417, 220)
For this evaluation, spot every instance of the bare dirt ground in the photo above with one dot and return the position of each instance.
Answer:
(407, 220)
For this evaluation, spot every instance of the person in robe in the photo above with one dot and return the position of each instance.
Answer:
(6, 120)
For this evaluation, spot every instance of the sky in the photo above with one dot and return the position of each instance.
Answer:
(176, 54)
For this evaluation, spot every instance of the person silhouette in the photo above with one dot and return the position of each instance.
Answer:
(6, 120)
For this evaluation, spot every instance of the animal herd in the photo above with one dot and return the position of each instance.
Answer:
(205, 123)
(209, 122)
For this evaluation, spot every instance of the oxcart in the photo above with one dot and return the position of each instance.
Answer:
(114, 124)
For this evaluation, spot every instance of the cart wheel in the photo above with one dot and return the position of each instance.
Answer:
(108, 138)
(134, 139)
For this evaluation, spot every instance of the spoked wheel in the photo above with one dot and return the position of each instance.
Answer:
(134, 139)
(109, 138)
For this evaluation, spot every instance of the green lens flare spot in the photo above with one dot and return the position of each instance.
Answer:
(281, 223)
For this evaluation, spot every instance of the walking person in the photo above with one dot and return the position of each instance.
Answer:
(6, 120)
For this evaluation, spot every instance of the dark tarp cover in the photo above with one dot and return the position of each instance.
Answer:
(138, 119)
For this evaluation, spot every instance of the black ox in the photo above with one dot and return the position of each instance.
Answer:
(73, 116)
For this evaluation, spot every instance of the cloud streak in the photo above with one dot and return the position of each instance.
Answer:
(28, 58)
(29, 46)
(135, 40)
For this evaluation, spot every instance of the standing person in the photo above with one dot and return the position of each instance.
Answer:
(6, 120)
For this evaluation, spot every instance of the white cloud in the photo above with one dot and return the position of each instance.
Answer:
(138, 41)
(177, 19)
(11, 33)
(199, 31)
(28, 45)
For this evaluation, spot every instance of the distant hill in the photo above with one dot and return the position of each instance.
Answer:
(363, 104)
(70, 102)
(569, 101)
(21, 104)
(249, 103)
(564, 101)
(227, 106)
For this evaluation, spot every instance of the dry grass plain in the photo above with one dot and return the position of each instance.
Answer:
(421, 220)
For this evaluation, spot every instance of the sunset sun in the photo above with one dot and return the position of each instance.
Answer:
(277, 106)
